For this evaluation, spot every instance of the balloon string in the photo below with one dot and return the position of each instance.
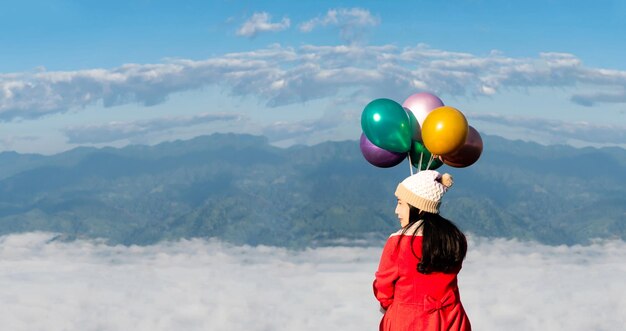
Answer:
(410, 163)
(420, 167)
(429, 162)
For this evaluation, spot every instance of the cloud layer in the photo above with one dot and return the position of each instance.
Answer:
(209, 285)
(281, 75)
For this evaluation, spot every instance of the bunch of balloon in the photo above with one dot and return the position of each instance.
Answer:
(422, 128)
(386, 137)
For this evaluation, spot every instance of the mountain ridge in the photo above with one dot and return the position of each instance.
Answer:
(239, 188)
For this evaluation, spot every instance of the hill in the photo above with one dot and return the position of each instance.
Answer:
(243, 190)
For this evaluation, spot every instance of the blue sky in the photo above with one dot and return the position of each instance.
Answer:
(113, 73)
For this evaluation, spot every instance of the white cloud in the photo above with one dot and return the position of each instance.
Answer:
(352, 22)
(593, 133)
(281, 75)
(208, 285)
(511, 285)
(113, 131)
(261, 22)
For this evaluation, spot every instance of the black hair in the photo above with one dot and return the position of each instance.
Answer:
(443, 245)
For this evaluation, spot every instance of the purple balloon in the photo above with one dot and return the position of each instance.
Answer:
(421, 104)
(379, 157)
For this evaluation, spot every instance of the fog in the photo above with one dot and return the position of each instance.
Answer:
(209, 285)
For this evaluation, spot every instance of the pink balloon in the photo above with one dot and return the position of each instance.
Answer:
(421, 104)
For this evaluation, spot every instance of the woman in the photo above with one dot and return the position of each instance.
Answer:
(416, 281)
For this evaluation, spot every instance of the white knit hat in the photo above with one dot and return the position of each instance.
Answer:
(424, 190)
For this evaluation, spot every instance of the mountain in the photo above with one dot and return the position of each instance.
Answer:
(243, 190)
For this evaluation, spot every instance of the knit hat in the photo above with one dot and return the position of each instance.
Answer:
(424, 190)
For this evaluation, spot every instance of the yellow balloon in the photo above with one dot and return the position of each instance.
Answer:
(444, 130)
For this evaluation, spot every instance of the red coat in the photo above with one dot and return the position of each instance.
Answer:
(416, 301)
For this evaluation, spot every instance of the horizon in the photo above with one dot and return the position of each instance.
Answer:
(282, 146)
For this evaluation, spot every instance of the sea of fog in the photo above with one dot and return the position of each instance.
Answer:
(209, 285)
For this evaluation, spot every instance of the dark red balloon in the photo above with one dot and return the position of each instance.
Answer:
(379, 157)
(469, 153)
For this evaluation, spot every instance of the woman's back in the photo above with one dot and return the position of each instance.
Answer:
(412, 284)
(418, 301)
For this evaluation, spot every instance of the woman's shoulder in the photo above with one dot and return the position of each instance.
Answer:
(413, 230)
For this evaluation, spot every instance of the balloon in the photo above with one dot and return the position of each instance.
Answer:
(444, 130)
(469, 153)
(416, 131)
(420, 104)
(378, 156)
(417, 150)
(386, 125)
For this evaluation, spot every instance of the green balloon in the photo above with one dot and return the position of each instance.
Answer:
(418, 149)
(386, 125)
(416, 130)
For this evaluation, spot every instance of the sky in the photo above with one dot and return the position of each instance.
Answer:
(209, 285)
(113, 73)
